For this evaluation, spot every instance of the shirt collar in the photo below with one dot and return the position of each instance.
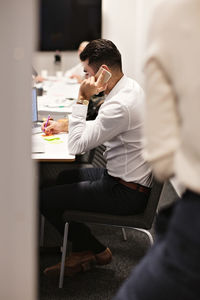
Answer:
(119, 85)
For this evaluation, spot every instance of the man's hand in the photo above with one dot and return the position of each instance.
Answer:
(92, 86)
(54, 127)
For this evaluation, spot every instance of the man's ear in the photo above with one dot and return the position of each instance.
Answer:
(106, 67)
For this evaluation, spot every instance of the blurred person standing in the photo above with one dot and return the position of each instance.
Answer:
(171, 269)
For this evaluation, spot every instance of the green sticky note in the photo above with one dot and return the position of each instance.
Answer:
(50, 139)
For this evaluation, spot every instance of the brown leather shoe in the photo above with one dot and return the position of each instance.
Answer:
(80, 262)
(104, 257)
(75, 263)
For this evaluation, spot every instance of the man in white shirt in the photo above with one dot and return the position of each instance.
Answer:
(171, 270)
(124, 186)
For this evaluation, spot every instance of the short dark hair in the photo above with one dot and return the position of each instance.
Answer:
(102, 51)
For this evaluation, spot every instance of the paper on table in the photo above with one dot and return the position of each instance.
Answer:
(64, 90)
(60, 103)
(37, 145)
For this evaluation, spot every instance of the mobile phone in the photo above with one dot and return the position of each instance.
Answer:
(107, 74)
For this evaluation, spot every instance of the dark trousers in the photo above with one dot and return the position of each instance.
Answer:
(92, 190)
(171, 269)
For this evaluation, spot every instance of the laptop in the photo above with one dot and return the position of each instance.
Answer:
(36, 124)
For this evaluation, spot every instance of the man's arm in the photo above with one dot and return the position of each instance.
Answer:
(85, 135)
(161, 123)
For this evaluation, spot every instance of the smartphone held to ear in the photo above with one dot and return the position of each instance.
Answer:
(106, 74)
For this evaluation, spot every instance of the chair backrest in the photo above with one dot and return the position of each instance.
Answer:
(97, 159)
(148, 215)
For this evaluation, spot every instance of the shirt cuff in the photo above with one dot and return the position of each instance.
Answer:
(79, 110)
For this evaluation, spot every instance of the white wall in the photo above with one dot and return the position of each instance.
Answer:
(17, 196)
(119, 26)
(45, 61)
(126, 24)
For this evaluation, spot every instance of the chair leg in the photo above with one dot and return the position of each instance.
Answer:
(124, 234)
(64, 248)
(147, 233)
(42, 222)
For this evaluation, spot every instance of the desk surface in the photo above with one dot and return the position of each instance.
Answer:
(51, 148)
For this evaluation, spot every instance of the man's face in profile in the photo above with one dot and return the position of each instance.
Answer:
(89, 71)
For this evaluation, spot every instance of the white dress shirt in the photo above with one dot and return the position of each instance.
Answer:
(119, 127)
(173, 92)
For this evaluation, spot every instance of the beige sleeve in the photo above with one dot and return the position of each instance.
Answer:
(161, 120)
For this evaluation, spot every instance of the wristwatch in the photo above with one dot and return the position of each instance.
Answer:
(84, 102)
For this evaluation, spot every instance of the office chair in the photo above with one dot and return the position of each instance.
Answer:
(142, 222)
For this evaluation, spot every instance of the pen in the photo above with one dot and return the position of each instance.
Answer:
(45, 125)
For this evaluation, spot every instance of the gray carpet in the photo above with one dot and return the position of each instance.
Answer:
(102, 282)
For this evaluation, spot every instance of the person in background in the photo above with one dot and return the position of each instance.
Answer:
(123, 187)
(171, 269)
(77, 71)
(37, 78)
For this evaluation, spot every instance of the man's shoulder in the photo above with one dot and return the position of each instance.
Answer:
(128, 96)
(130, 86)
(133, 89)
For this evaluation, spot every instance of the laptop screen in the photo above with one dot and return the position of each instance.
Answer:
(34, 105)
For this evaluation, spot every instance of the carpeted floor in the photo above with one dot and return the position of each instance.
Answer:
(102, 282)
